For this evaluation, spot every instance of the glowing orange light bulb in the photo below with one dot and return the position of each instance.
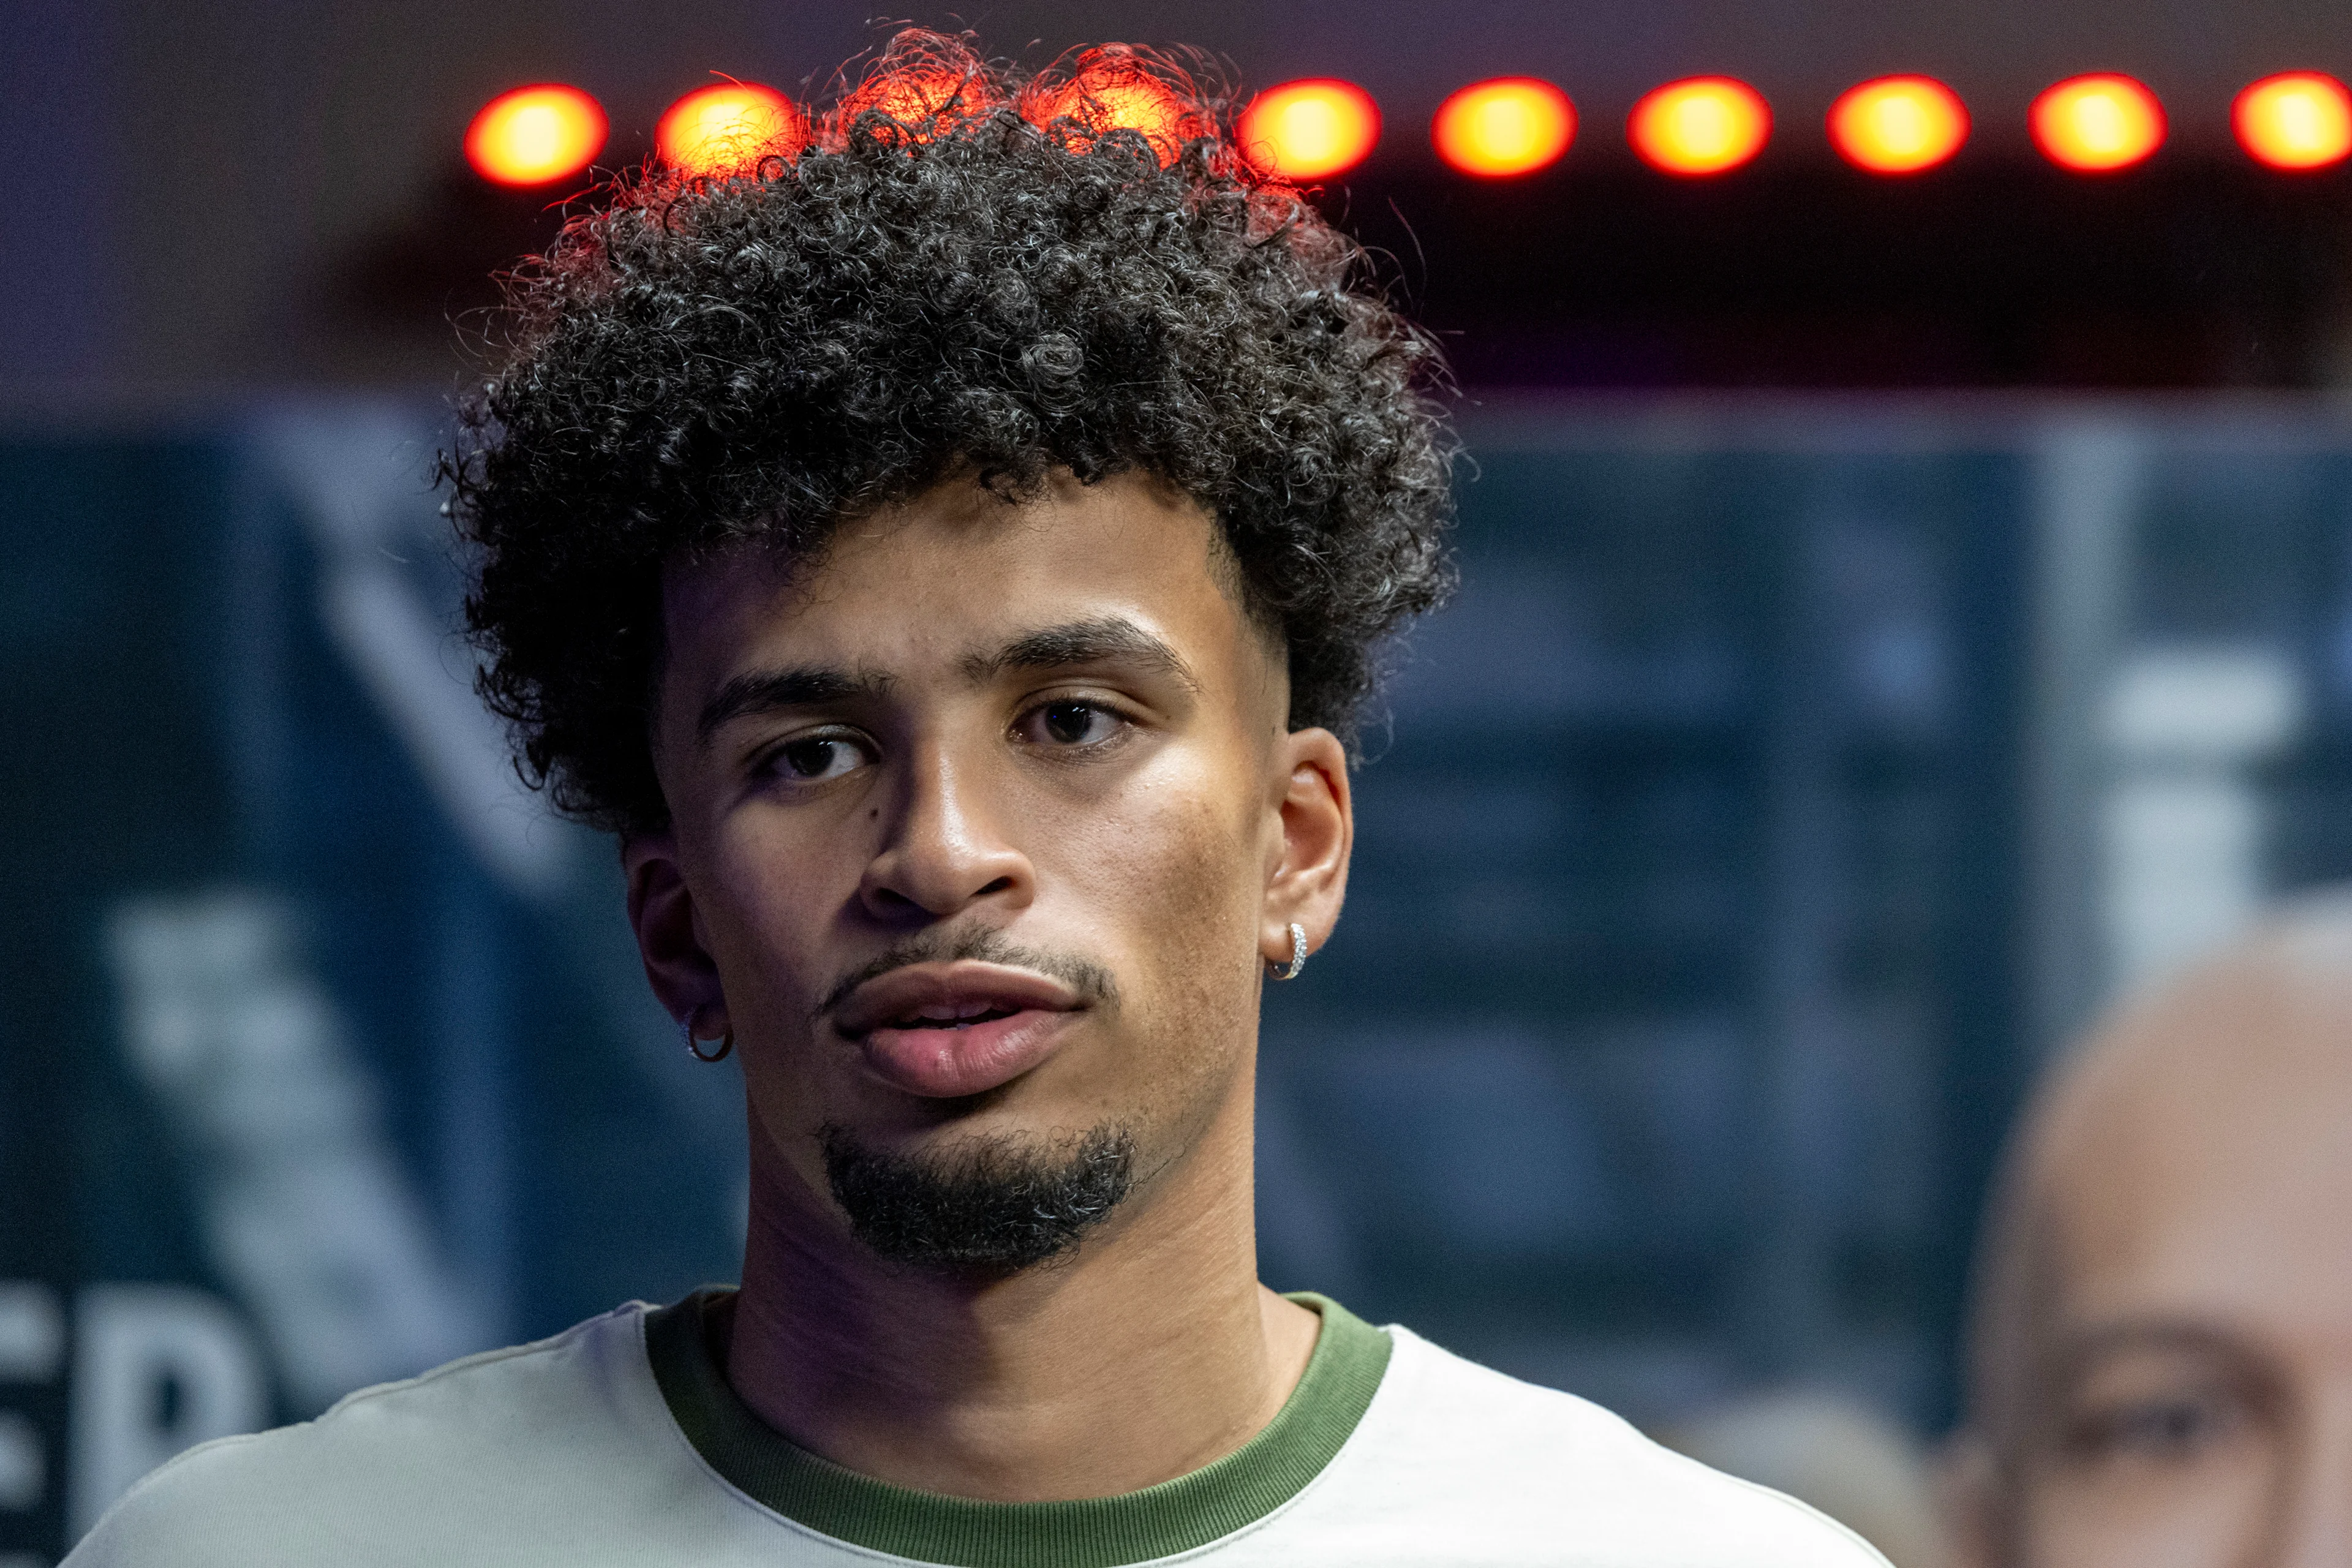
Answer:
(1898, 124)
(1114, 94)
(535, 135)
(2094, 123)
(1304, 130)
(1142, 106)
(1701, 125)
(730, 126)
(2299, 120)
(926, 101)
(1510, 125)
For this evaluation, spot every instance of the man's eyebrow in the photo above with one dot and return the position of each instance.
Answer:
(1110, 637)
(2081, 1349)
(768, 690)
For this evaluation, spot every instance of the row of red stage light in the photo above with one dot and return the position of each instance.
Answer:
(1508, 126)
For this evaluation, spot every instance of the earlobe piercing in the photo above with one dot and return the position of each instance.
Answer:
(694, 1047)
(1297, 955)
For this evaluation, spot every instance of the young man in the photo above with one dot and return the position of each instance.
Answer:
(949, 554)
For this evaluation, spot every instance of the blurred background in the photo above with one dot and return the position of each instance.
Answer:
(1899, 612)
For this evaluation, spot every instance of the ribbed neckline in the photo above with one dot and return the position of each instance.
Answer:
(1341, 1376)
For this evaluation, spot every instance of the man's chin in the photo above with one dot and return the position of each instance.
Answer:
(984, 1203)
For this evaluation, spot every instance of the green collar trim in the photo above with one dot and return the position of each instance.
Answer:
(1350, 1356)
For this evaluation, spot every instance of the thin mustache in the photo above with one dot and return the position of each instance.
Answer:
(980, 945)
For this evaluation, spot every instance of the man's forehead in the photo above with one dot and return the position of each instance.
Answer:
(2187, 1164)
(973, 636)
(955, 584)
(2204, 1159)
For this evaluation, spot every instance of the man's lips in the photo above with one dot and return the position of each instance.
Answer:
(948, 1030)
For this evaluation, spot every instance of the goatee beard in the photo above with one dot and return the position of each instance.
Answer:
(996, 1204)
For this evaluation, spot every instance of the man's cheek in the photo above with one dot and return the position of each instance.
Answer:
(2205, 1515)
(1169, 872)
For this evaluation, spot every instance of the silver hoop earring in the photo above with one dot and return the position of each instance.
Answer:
(1297, 955)
(694, 1047)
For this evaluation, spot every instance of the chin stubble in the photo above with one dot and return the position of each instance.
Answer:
(993, 1203)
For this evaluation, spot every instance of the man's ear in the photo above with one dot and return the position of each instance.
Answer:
(1967, 1497)
(1306, 871)
(661, 910)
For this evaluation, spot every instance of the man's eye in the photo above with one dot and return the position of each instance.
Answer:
(2166, 1430)
(817, 758)
(1074, 724)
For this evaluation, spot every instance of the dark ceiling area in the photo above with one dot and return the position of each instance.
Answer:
(263, 194)
(2008, 273)
(1996, 273)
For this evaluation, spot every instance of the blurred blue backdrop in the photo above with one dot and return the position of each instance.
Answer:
(1789, 775)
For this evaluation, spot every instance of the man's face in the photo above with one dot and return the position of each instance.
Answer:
(978, 823)
(2189, 1402)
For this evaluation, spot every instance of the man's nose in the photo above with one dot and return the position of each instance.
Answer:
(943, 849)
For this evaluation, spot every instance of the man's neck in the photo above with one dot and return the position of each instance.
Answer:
(1023, 1389)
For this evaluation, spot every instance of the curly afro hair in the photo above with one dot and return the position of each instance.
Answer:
(956, 271)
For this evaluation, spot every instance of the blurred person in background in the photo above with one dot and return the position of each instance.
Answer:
(2162, 1359)
(949, 557)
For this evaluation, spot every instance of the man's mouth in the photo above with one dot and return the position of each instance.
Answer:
(951, 1015)
(945, 1031)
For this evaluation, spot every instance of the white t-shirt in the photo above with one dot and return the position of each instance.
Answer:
(619, 1445)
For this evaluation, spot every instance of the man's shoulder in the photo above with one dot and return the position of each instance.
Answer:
(1534, 1462)
(388, 1467)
